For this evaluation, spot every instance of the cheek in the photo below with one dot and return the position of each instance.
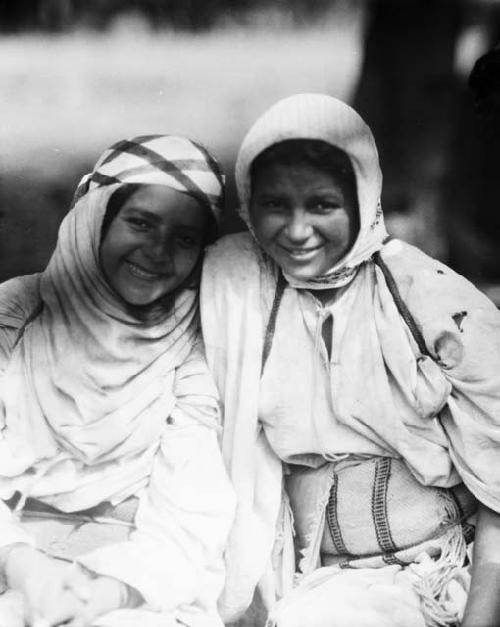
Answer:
(266, 226)
(185, 261)
(338, 230)
(108, 257)
(117, 245)
(116, 241)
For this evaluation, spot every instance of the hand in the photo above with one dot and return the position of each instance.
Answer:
(105, 594)
(54, 591)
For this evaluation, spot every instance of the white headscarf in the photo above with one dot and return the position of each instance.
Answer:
(321, 117)
(87, 376)
(433, 403)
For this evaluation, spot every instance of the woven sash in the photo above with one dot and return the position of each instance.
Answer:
(378, 513)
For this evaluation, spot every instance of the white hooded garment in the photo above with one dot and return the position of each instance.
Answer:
(378, 395)
(98, 406)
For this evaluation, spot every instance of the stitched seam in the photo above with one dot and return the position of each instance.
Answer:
(332, 519)
(379, 511)
(379, 505)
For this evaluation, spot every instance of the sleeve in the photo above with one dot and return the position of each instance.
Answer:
(174, 556)
(470, 357)
(461, 328)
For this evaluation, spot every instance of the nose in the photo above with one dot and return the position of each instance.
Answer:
(298, 227)
(159, 250)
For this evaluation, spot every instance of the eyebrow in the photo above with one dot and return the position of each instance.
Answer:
(323, 193)
(191, 228)
(273, 192)
(144, 213)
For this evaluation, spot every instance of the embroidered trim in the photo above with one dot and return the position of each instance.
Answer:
(378, 217)
(332, 519)
(379, 510)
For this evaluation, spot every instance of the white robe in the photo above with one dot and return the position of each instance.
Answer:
(173, 553)
(440, 414)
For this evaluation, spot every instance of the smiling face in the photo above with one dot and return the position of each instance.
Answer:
(305, 218)
(153, 244)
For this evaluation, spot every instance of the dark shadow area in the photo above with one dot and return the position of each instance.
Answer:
(438, 149)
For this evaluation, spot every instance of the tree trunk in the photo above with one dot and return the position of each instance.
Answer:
(408, 95)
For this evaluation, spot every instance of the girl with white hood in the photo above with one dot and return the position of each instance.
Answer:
(361, 388)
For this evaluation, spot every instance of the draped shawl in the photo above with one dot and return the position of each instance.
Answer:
(439, 412)
(86, 377)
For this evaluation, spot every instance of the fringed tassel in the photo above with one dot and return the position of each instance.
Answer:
(432, 582)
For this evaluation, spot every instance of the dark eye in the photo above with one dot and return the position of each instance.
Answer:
(272, 204)
(139, 224)
(188, 241)
(325, 205)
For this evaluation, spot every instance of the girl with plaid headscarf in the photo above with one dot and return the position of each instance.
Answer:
(115, 503)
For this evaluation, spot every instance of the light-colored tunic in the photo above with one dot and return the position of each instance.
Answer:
(173, 552)
(377, 395)
(298, 407)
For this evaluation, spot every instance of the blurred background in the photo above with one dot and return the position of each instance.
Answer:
(77, 75)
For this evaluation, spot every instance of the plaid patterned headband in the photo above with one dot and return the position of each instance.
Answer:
(170, 160)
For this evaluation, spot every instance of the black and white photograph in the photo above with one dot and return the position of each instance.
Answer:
(250, 313)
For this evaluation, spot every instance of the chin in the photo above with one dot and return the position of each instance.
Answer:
(300, 271)
(140, 300)
(301, 274)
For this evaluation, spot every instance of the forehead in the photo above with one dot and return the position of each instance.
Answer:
(296, 176)
(165, 204)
